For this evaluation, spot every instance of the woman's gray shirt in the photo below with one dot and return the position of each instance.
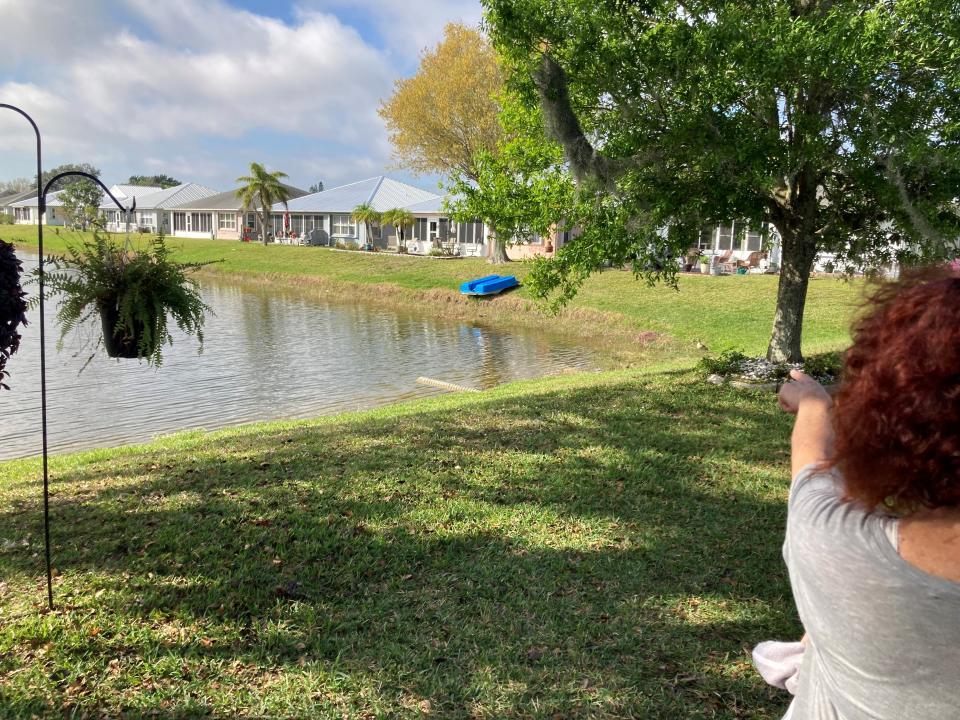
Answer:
(884, 636)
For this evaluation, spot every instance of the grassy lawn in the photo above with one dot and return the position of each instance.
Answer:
(721, 312)
(589, 546)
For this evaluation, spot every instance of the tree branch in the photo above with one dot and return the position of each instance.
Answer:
(586, 163)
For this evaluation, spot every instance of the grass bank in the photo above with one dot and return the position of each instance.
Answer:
(636, 321)
(599, 545)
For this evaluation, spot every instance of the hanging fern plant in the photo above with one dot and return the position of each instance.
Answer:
(134, 293)
(13, 307)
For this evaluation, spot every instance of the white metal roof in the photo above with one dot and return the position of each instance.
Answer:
(52, 201)
(381, 192)
(433, 205)
(171, 197)
(127, 191)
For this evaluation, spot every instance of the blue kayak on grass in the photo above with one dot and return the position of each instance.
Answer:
(489, 285)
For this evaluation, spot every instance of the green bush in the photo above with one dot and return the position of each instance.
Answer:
(726, 363)
(6, 219)
(825, 366)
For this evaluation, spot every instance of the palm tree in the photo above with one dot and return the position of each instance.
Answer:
(265, 188)
(367, 215)
(399, 218)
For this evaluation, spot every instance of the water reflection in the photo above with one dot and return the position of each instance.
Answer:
(269, 354)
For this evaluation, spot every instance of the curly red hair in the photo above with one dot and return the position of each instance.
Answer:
(897, 411)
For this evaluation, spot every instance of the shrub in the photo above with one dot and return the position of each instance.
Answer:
(824, 367)
(726, 363)
(13, 307)
(6, 219)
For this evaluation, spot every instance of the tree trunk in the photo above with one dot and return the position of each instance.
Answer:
(498, 250)
(263, 227)
(798, 253)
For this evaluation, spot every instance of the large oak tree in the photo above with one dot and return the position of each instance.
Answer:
(836, 123)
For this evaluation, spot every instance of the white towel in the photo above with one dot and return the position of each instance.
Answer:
(779, 663)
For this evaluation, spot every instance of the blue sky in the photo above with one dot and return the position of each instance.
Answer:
(199, 88)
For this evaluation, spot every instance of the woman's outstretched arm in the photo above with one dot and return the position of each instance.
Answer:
(812, 439)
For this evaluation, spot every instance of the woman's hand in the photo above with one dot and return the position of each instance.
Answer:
(799, 389)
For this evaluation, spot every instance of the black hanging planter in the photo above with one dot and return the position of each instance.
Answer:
(121, 342)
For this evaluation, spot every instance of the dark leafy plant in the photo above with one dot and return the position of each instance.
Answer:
(726, 363)
(825, 367)
(135, 291)
(13, 307)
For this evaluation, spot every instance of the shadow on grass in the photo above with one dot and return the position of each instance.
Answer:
(606, 551)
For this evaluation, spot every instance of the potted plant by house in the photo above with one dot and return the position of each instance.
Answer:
(134, 293)
(704, 264)
(13, 307)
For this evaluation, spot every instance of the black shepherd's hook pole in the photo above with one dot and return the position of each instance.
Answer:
(43, 361)
(41, 209)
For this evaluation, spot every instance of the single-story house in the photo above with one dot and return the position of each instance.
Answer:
(9, 197)
(27, 211)
(154, 205)
(328, 215)
(221, 216)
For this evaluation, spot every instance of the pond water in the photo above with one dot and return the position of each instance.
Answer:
(268, 354)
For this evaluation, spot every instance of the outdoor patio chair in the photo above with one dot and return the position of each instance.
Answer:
(752, 261)
(723, 261)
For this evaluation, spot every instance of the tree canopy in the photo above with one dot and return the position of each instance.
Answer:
(835, 123)
(162, 181)
(17, 184)
(440, 118)
(262, 188)
(69, 180)
(81, 203)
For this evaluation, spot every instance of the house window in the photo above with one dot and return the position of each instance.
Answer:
(725, 237)
(251, 221)
(200, 222)
(470, 232)
(227, 221)
(147, 219)
(420, 229)
(752, 240)
(705, 241)
(277, 224)
(179, 222)
(296, 224)
(344, 225)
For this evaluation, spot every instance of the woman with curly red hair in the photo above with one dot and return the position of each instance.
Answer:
(873, 528)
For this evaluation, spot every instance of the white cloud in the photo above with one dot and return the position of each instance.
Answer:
(406, 27)
(163, 85)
